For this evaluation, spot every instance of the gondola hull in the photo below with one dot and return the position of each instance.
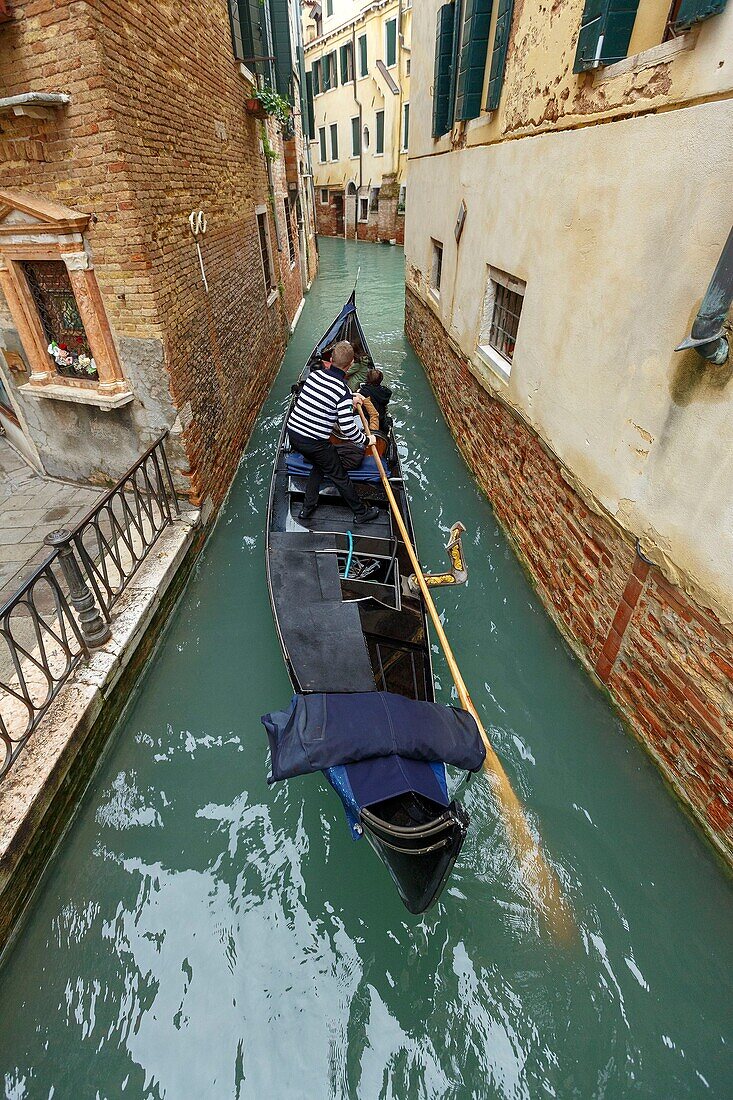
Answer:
(348, 622)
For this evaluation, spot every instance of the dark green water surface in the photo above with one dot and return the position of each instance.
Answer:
(200, 935)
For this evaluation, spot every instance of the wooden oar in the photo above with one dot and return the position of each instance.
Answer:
(537, 875)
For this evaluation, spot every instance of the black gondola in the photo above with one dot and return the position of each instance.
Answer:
(348, 622)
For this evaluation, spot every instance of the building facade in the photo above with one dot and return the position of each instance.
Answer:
(357, 57)
(156, 237)
(570, 196)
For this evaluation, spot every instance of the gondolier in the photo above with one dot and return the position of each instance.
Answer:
(324, 403)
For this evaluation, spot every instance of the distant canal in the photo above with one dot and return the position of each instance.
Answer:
(200, 935)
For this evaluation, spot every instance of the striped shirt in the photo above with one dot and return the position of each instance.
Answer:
(323, 402)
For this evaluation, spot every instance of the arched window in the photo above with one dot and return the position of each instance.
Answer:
(365, 137)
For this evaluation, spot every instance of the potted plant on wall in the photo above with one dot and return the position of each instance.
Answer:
(266, 101)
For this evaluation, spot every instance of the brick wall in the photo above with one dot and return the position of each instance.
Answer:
(667, 663)
(384, 224)
(156, 128)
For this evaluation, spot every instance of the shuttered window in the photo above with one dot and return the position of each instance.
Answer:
(605, 33)
(347, 63)
(380, 132)
(322, 145)
(316, 70)
(310, 110)
(694, 11)
(405, 126)
(472, 58)
(355, 137)
(390, 43)
(498, 56)
(334, 141)
(442, 114)
(281, 47)
(330, 72)
(363, 65)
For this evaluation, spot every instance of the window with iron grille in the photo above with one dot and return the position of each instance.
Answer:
(268, 271)
(53, 296)
(363, 209)
(502, 310)
(289, 229)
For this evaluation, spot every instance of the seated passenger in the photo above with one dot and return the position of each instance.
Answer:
(378, 395)
(351, 453)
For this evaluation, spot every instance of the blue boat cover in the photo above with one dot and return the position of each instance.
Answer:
(298, 467)
(322, 731)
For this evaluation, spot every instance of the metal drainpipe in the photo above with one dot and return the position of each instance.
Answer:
(708, 336)
(361, 149)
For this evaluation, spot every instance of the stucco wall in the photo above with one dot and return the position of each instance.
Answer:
(616, 230)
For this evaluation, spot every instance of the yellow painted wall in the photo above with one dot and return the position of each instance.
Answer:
(614, 214)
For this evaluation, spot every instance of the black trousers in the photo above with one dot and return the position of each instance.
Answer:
(326, 463)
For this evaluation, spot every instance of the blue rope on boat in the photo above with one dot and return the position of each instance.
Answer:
(350, 537)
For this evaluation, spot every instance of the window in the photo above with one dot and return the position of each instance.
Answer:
(363, 209)
(405, 125)
(347, 63)
(380, 133)
(330, 72)
(502, 309)
(363, 66)
(310, 116)
(316, 70)
(365, 138)
(605, 33)
(268, 271)
(329, 8)
(474, 45)
(334, 141)
(243, 40)
(323, 156)
(289, 230)
(401, 200)
(499, 52)
(407, 67)
(436, 271)
(324, 196)
(355, 143)
(374, 200)
(390, 43)
(442, 106)
(333, 68)
(53, 296)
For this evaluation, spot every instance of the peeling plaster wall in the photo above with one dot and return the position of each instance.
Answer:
(616, 230)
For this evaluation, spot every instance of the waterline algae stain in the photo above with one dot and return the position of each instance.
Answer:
(199, 934)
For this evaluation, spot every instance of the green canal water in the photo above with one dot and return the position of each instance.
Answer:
(201, 935)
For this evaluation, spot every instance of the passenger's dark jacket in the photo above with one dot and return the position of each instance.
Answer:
(379, 396)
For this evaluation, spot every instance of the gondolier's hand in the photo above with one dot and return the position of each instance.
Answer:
(358, 399)
(371, 440)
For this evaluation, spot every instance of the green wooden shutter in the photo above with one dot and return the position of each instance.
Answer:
(326, 63)
(442, 73)
(472, 59)
(363, 55)
(322, 144)
(380, 132)
(310, 114)
(605, 32)
(391, 43)
(316, 70)
(694, 11)
(334, 141)
(498, 57)
(355, 137)
(344, 58)
(282, 47)
(405, 125)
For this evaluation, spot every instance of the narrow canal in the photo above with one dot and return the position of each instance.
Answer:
(201, 935)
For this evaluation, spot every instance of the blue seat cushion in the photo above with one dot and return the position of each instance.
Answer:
(368, 471)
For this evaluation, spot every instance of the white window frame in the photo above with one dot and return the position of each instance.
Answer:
(334, 126)
(355, 119)
(271, 293)
(486, 352)
(435, 281)
(381, 112)
(324, 191)
(322, 145)
(405, 129)
(360, 199)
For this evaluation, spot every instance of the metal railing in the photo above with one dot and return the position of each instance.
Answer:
(64, 608)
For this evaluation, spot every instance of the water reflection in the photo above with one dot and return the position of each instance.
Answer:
(202, 935)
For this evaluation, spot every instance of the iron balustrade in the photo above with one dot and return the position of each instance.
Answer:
(63, 609)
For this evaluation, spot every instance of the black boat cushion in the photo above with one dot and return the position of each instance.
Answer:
(325, 730)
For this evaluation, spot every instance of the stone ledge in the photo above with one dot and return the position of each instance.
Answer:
(78, 396)
(58, 753)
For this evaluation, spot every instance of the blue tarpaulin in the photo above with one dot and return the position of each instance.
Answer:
(322, 731)
(368, 471)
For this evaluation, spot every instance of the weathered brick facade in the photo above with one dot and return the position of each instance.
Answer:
(155, 128)
(384, 224)
(667, 663)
